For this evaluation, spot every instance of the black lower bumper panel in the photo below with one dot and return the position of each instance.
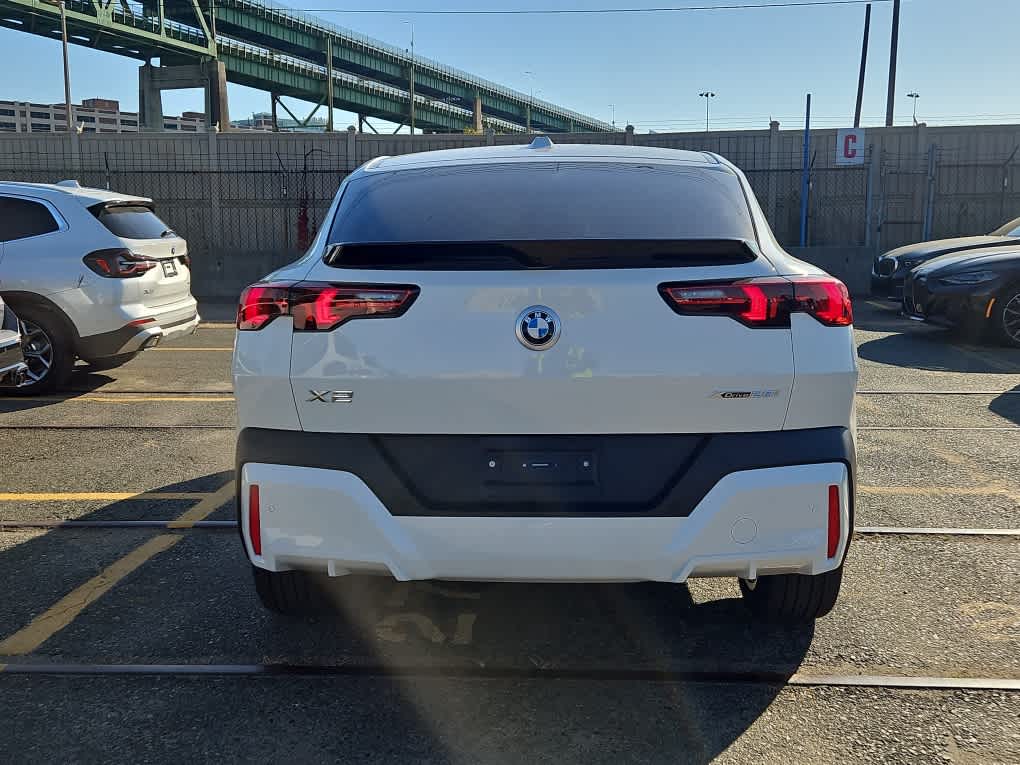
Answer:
(548, 475)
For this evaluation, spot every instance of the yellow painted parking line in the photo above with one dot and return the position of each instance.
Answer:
(219, 324)
(204, 508)
(126, 399)
(138, 399)
(876, 304)
(99, 496)
(65, 610)
(186, 350)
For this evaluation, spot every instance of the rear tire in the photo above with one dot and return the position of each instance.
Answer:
(1006, 316)
(48, 350)
(292, 593)
(792, 597)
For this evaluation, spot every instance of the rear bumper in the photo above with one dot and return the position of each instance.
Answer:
(132, 339)
(711, 521)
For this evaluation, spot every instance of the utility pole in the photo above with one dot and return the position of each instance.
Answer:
(893, 44)
(864, 65)
(67, 69)
(411, 78)
(913, 96)
(707, 94)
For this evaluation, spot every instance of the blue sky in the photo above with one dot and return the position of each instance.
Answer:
(962, 57)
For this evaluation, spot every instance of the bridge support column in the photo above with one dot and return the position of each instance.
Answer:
(211, 76)
(150, 101)
(478, 112)
(217, 111)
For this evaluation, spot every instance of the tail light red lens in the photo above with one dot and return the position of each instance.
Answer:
(834, 524)
(261, 303)
(118, 263)
(765, 302)
(321, 306)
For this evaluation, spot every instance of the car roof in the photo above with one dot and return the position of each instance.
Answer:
(543, 149)
(69, 190)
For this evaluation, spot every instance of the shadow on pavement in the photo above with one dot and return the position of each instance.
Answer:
(81, 382)
(539, 671)
(1007, 405)
(934, 350)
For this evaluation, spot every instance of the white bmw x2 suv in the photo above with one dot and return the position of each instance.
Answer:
(547, 363)
(91, 274)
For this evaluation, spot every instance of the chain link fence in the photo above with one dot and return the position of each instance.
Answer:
(249, 203)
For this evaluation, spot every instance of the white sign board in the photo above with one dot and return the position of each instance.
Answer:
(850, 146)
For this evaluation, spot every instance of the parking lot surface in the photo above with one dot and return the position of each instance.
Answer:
(126, 641)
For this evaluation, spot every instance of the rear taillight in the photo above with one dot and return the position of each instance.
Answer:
(261, 303)
(185, 260)
(118, 263)
(834, 525)
(254, 519)
(765, 302)
(321, 306)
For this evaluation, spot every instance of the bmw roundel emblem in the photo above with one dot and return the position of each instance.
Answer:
(538, 327)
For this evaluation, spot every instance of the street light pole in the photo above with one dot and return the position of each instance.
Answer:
(913, 97)
(531, 98)
(67, 69)
(707, 94)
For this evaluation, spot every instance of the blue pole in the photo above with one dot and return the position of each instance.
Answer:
(805, 173)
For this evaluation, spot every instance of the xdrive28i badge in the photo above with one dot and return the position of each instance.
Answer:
(538, 327)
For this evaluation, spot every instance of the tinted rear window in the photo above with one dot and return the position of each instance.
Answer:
(20, 219)
(132, 221)
(543, 201)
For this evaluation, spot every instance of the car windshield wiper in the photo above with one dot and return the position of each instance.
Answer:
(168, 232)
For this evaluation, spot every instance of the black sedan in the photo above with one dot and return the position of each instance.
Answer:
(976, 289)
(891, 268)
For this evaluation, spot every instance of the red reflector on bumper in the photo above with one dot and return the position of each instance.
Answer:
(834, 514)
(254, 521)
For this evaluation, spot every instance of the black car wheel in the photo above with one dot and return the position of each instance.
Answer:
(1007, 315)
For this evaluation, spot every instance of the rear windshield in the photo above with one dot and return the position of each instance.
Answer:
(543, 201)
(132, 221)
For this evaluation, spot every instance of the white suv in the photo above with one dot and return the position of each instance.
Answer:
(92, 274)
(547, 363)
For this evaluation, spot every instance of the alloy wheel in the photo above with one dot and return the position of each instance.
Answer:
(37, 348)
(1011, 318)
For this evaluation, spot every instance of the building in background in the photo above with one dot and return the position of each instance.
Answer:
(92, 115)
(264, 121)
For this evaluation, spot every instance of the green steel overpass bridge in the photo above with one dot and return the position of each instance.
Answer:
(205, 43)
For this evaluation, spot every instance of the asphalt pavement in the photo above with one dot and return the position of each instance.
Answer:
(149, 645)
